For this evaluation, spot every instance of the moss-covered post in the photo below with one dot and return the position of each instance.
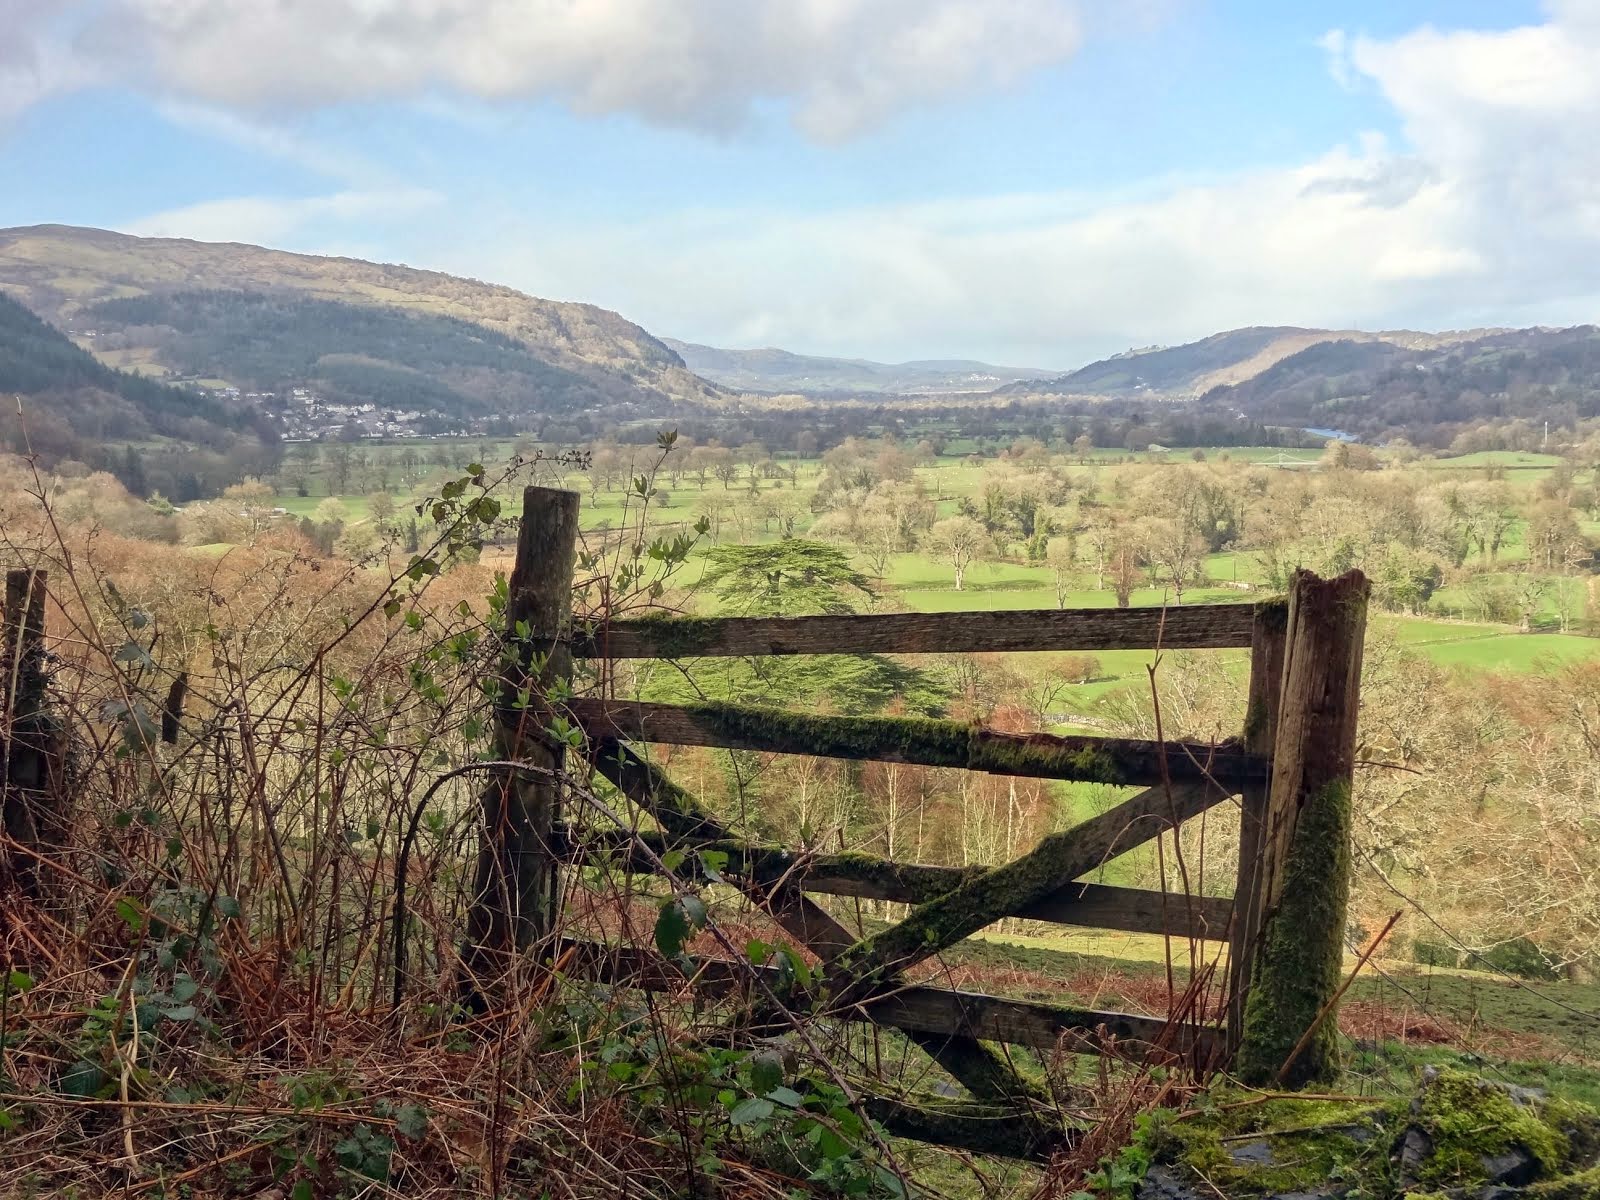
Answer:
(1267, 633)
(31, 741)
(1305, 862)
(514, 891)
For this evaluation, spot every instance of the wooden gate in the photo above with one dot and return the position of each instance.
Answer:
(1298, 739)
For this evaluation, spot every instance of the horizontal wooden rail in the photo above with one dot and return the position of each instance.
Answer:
(914, 1008)
(978, 1128)
(1197, 627)
(978, 1067)
(1092, 905)
(931, 743)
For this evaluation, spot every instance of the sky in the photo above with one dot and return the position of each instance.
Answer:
(1030, 182)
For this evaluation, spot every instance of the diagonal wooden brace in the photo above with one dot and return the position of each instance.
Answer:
(979, 1068)
(873, 962)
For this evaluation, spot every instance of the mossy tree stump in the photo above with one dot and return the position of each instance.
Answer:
(1303, 887)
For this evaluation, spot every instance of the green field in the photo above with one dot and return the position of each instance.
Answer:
(1094, 964)
(923, 584)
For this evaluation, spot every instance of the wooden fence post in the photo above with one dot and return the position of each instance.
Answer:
(514, 895)
(1267, 634)
(30, 740)
(1304, 880)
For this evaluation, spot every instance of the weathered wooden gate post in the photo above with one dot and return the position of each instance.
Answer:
(30, 740)
(514, 894)
(1268, 630)
(1304, 873)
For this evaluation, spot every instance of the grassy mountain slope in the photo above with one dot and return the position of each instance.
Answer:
(774, 370)
(1375, 388)
(354, 352)
(1222, 359)
(68, 274)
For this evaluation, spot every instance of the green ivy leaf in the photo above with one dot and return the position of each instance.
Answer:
(411, 1121)
(128, 909)
(749, 1111)
(132, 652)
(672, 929)
(83, 1079)
(766, 1072)
(694, 909)
(794, 967)
(714, 863)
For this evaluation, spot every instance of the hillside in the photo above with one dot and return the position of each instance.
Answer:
(1376, 389)
(74, 406)
(356, 329)
(1187, 371)
(350, 352)
(774, 370)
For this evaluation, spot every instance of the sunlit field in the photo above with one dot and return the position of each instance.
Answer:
(920, 582)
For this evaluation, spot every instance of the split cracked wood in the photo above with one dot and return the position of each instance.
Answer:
(34, 801)
(514, 884)
(1304, 887)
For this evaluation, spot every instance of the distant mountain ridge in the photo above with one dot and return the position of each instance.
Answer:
(173, 305)
(1378, 389)
(408, 339)
(1376, 385)
(1194, 368)
(773, 370)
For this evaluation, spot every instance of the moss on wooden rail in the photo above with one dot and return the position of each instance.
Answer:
(915, 1008)
(922, 740)
(978, 1128)
(1100, 906)
(1195, 627)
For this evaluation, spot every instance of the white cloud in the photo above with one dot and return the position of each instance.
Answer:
(1487, 211)
(1039, 278)
(275, 141)
(840, 65)
(34, 61)
(337, 219)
